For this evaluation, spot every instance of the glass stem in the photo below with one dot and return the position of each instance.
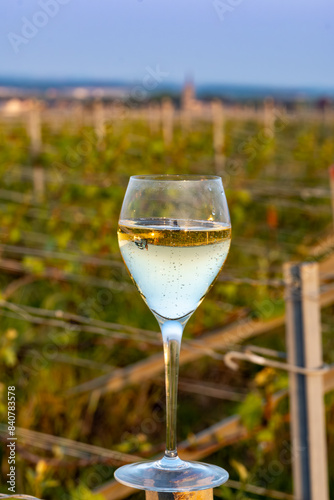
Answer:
(172, 335)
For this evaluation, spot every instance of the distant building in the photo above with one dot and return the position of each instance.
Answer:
(189, 102)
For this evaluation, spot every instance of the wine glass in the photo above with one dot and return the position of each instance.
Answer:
(174, 235)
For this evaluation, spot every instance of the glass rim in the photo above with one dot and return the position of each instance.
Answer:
(176, 177)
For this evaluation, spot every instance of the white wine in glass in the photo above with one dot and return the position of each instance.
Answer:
(174, 236)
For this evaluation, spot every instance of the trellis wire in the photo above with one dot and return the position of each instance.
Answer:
(85, 259)
(59, 314)
(74, 448)
(260, 188)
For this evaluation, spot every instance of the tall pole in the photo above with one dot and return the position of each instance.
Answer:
(304, 348)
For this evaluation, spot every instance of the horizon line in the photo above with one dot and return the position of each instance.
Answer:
(124, 81)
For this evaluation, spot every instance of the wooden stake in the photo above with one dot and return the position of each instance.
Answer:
(188, 495)
(186, 120)
(35, 134)
(167, 110)
(269, 117)
(304, 346)
(34, 128)
(117, 114)
(99, 122)
(78, 115)
(218, 133)
(39, 182)
(153, 115)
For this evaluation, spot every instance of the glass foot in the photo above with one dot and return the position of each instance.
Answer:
(171, 474)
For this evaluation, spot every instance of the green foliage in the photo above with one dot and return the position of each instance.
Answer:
(251, 411)
(8, 347)
(84, 187)
(81, 492)
(241, 470)
(226, 493)
(39, 480)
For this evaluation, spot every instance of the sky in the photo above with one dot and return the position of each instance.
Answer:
(261, 42)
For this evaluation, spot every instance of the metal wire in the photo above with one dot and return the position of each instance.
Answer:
(85, 259)
(114, 334)
(260, 360)
(70, 447)
(258, 188)
(59, 314)
(58, 275)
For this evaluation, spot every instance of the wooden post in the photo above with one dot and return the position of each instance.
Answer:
(269, 117)
(117, 114)
(331, 183)
(304, 346)
(153, 115)
(218, 133)
(34, 128)
(188, 495)
(78, 115)
(39, 182)
(186, 117)
(99, 122)
(167, 111)
(35, 134)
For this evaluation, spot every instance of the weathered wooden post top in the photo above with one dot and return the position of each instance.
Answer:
(190, 495)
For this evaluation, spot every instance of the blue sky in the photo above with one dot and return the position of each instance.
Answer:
(275, 42)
